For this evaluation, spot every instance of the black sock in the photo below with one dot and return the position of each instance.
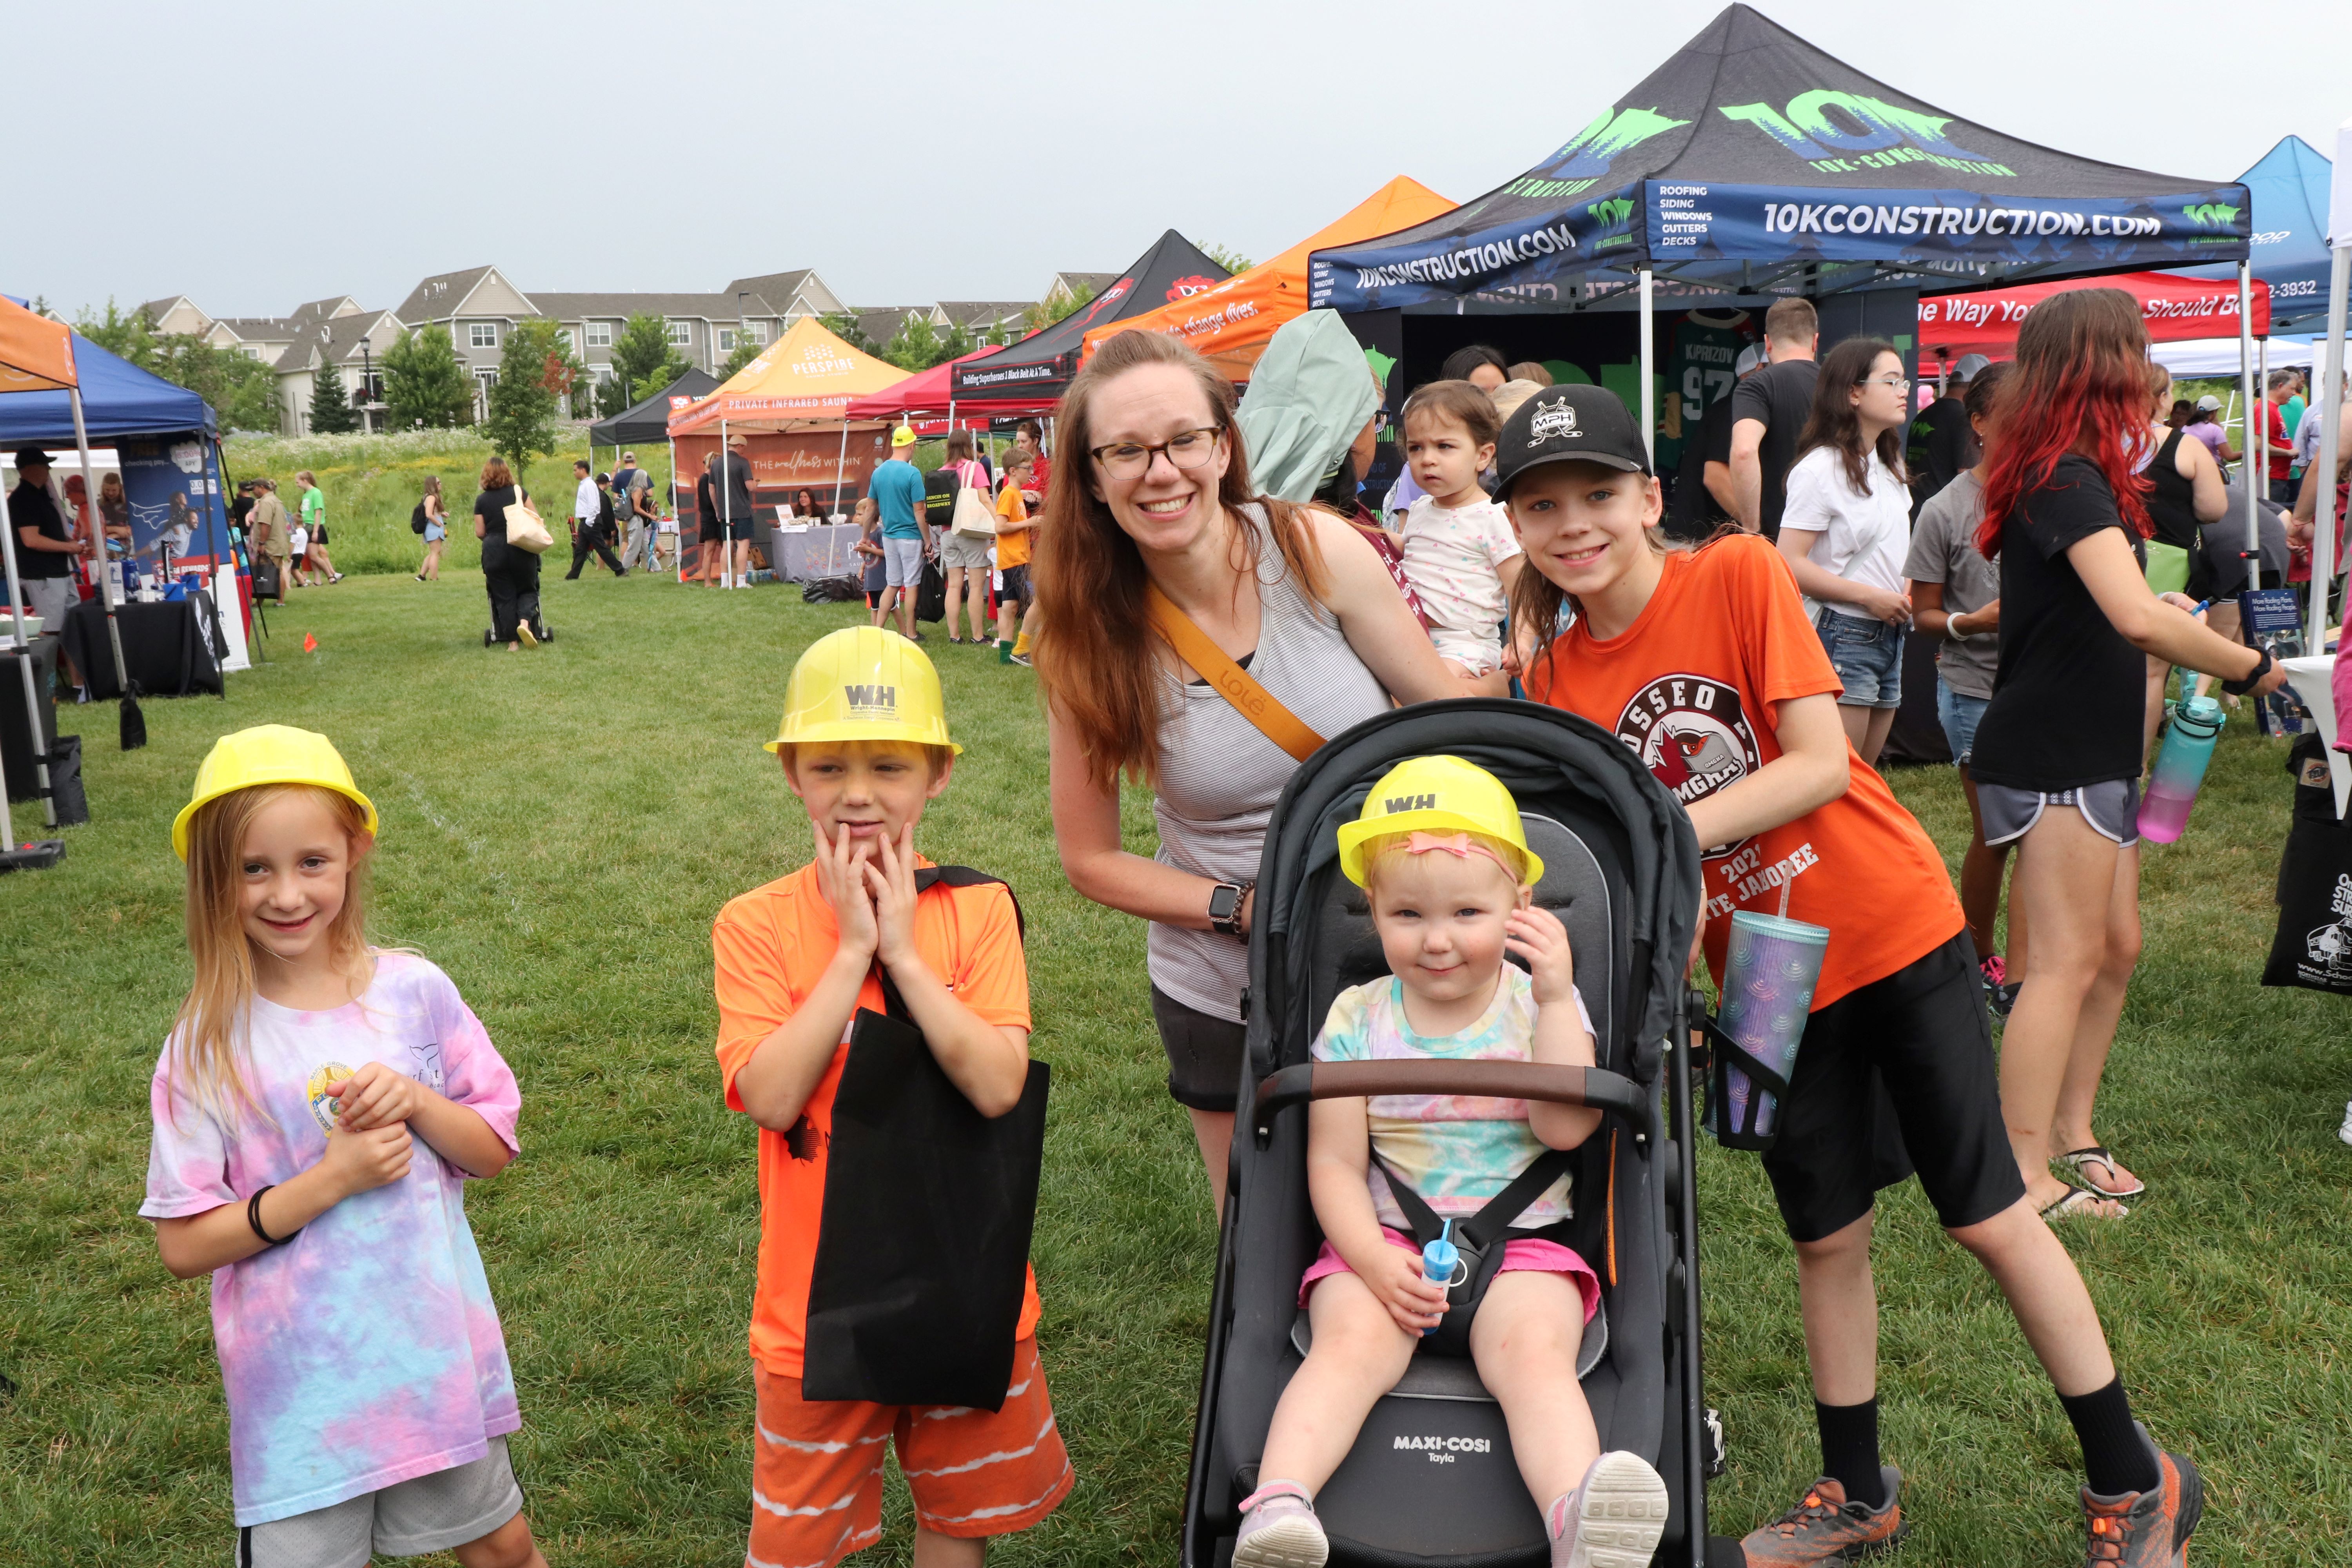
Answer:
(1850, 1449)
(2116, 1458)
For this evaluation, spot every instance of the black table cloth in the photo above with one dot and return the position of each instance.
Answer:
(168, 648)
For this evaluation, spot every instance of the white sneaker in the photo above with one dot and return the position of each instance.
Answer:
(1613, 1519)
(1279, 1530)
(2344, 1131)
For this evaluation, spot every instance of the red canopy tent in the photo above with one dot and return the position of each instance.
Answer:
(2174, 308)
(932, 392)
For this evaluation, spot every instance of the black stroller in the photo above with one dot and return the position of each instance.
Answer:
(1430, 1479)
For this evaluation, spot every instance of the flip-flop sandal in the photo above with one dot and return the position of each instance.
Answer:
(2095, 1155)
(2076, 1204)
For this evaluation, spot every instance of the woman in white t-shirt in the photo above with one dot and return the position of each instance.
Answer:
(1847, 527)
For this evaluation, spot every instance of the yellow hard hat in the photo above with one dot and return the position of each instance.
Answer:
(903, 436)
(1437, 794)
(266, 754)
(863, 683)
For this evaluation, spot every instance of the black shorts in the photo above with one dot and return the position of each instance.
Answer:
(713, 530)
(737, 530)
(1895, 1078)
(1016, 584)
(1204, 1054)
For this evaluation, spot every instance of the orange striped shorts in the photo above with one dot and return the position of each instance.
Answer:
(816, 1466)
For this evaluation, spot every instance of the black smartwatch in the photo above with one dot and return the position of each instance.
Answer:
(1225, 909)
(2240, 688)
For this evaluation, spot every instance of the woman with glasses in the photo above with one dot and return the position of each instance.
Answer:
(1160, 525)
(1846, 528)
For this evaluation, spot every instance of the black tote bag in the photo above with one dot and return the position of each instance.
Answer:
(2312, 948)
(923, 1248)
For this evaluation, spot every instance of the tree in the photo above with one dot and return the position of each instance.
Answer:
(644, 359)
(955, 344)
(1226, 256)
(844, 324)
(332, 413)
(1056, 305)
(423, 383)
(916, 344)
(242, 391)
(523, 400)
(746, 349)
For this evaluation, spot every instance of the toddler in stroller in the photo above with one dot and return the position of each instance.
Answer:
(1447, 872)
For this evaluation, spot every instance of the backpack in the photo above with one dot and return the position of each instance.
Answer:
(417, 518)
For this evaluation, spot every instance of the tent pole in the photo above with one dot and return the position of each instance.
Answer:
(33, 728)
(2331, 399)
(2249, 470)
(105, 584)
(1649, 393)
(841, 462)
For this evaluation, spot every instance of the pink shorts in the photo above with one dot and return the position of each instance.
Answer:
(1543, 1256)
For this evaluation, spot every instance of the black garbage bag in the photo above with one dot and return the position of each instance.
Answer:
(923, 1251)
(932, 597)
(830, 591)
(66, 792)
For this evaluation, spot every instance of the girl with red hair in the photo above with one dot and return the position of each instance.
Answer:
(2058, 752)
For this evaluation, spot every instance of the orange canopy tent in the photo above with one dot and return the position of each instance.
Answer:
(1231, 323)
(807, 374)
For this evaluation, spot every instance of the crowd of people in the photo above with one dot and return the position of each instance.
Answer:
(1205, 598)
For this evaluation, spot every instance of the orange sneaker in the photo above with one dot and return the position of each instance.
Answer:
(1825, 1528)
(2150, 1528)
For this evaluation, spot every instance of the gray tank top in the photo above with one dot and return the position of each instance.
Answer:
(1220, 776)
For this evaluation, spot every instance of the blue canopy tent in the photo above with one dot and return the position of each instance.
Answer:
(165, 437)
(2288, 190)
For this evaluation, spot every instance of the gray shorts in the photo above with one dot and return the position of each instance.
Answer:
(49, 598)
(965, 551)
(2112, 809)
(902, 561)
(430, 1513)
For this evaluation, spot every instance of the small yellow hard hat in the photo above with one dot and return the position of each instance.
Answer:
(903, 436)
(268, 754)
(1437, 794)
(863, 683)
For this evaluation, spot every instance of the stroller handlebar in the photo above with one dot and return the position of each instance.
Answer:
(1593, 1086)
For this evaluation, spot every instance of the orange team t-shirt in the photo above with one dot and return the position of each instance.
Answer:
(772, 946)
(1011, 549)
(1691, 687)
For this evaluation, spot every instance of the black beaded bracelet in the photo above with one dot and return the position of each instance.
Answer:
(253, 1218)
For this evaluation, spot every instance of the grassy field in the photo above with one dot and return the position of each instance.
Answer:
(559, 828)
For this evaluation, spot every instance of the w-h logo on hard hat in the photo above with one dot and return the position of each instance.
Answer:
(871, 702)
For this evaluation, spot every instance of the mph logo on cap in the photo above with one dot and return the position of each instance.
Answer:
(1553, 420)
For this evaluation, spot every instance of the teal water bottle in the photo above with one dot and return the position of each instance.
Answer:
(1441, 1260)
(2181, 768)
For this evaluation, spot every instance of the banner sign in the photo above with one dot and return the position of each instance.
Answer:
(171, 484)
(2175, 309)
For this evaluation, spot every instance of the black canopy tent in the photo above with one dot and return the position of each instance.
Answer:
(649, 420)
(1041, 364)
(1751, 165)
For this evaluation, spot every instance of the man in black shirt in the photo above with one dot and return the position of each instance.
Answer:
(1768, 415)
(46, 547)
(1703, 498)
(1941, 444)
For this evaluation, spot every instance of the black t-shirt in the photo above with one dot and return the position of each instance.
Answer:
(706, 507)
(737, 502)
(31, 506)
(1941, 444)
(2069, 692)
(490, 506)
(1780, 395)
(1695, 515)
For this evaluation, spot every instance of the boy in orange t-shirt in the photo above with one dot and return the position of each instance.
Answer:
(1013, 544)
(865, 745)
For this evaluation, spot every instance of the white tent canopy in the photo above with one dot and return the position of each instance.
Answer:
(2219, 357)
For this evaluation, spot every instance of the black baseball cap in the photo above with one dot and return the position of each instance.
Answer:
(32, 457)
(1587, 424)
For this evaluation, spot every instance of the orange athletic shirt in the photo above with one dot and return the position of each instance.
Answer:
(772, 946)
(1691, 686)
(1011, 549)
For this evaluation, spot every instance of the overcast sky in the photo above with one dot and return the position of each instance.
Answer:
(254, 156)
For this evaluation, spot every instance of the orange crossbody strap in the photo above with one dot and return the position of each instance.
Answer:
(1253, 702)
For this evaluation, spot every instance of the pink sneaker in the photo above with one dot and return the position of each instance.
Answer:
(1613, 1518)
(1279, 1530)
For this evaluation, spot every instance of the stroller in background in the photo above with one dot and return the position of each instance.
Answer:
(1431, 1480)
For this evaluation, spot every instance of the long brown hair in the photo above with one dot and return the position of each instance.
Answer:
(495, 475)
(1098, 652)
(2081, 388)
(1834, 421)
(1537, 601)
(209, 1042)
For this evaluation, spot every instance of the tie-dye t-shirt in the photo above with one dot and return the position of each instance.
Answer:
(365, 1350)
(1456, 1150)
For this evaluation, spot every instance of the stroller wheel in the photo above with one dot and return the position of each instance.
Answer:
(545, 634)
(486, 637)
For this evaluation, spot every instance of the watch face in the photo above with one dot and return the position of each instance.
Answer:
(1223, 900)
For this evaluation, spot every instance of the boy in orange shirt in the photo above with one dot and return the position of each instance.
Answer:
(865, 745)
(1013, 528)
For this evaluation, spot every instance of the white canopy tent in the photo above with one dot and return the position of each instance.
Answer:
(2222, 356)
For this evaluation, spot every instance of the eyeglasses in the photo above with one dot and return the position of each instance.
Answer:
(1891, 383)
(1186, 450)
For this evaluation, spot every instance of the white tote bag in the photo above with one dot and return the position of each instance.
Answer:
(973, 516)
